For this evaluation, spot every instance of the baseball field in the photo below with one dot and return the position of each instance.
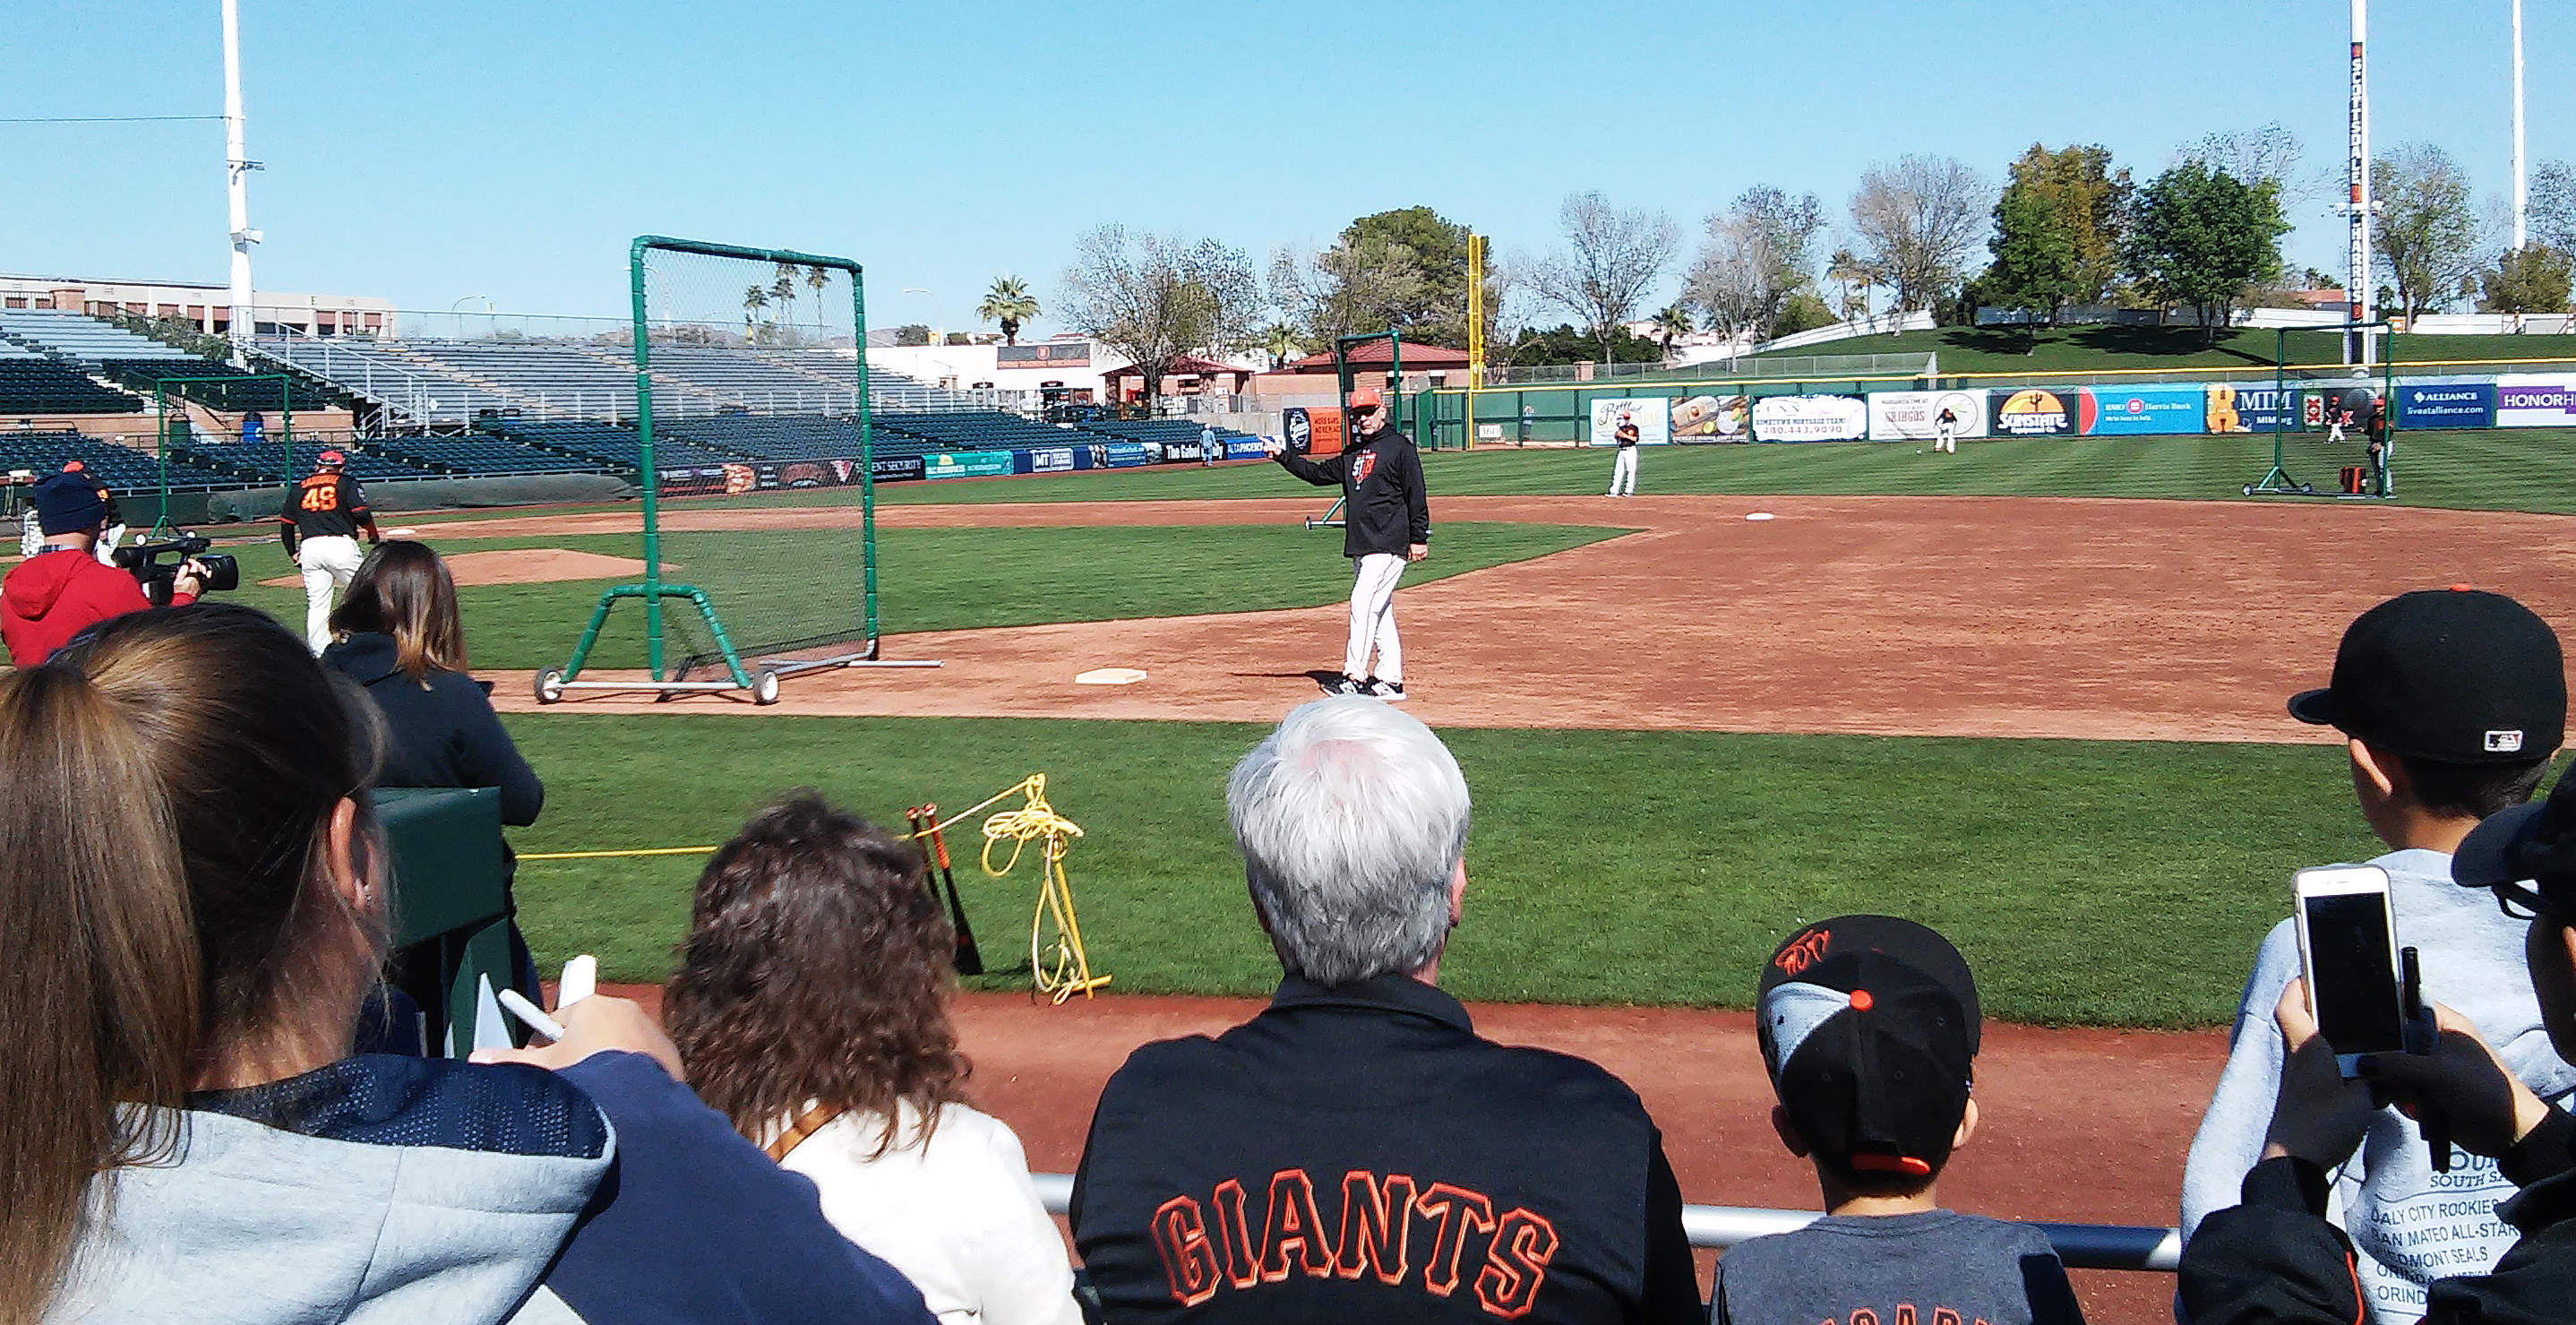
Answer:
(2030, 694)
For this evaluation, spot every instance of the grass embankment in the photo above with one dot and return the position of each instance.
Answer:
(2090, 883)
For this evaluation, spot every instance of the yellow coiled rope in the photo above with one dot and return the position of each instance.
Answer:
(1056, 959)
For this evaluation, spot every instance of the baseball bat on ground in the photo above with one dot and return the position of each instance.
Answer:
(969, 961)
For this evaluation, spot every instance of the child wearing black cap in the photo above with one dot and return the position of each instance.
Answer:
(1869, 1030)
(2450, 702)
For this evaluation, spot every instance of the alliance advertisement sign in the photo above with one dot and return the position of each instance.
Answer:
(2251, 408)
(1653, 416)
(1915, 416)
(1810, 419)
(2446, 404)
(2032, 412)
(2526, 400)
(967, 464)
(2139, 411)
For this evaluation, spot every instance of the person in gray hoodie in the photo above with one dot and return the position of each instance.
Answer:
(196, 913)
(2451, 702)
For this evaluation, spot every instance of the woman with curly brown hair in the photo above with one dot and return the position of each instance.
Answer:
(811, 1007)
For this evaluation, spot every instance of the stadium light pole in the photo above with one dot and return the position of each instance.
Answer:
(937, 334)
(237, 168)
(2520, 198)
(2357, 182)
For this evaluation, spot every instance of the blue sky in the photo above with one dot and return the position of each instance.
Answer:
(428, 153)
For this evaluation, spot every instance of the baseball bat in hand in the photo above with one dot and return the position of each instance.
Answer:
(969, 961)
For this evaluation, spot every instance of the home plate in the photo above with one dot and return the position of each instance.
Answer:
(1110, 676)
(400, 533)
(1761, 515)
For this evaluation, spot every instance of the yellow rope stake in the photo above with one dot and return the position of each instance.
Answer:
(1056, 961)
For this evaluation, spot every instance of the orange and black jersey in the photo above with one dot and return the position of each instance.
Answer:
(1360, 1153)
(324, 506)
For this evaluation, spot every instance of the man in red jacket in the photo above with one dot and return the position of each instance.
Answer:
(49, 597)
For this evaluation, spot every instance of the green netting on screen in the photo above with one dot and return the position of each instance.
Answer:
(773, 398)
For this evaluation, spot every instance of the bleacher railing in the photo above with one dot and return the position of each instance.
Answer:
(1718, 1227)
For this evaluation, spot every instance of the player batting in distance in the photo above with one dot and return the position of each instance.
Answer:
(1386, 522)
(320, 528)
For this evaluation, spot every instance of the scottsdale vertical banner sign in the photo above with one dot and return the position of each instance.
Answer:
(2033, 412)
(1915, 416)
(1653, 416)
(2530, 401)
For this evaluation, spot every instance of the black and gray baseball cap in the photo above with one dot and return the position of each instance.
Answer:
(1869, 1028)
(2457, 675)
(2534, 844)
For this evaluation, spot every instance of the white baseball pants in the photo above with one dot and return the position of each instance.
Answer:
(1946, 439)
(1623, 472)
(31, 536)
(1373, 580)
(105, 549)
(327, 562)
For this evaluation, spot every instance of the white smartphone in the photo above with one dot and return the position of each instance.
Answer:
(2348, 951)
(580, 981)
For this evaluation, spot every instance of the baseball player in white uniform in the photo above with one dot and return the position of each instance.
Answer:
(1623, 471)
(324, 515)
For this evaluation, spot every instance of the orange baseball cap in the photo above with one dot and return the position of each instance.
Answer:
(1367, 397)
(330, 458)
(73, 466)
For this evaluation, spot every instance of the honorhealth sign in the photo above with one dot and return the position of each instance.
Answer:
(2136, 411)
(2032, 412)
(2446, 404)
(1915, 416)
(1810, 419)
(1653, 416)
(2526, 401)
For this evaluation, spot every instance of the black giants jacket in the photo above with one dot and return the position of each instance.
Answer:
(1385, 507)
(2276, 1259)
(1360, 1154)
(443, 733)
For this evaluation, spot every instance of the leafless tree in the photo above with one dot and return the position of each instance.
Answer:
(1342, 292)
(2553, 206)
(2271, 153)
(2428, 230)
(1613, 255)
(1156, 298)
(1916, 221)
(1757, 253)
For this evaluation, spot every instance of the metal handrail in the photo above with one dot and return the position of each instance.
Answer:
(1718, 1227)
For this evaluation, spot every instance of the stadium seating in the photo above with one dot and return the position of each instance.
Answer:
(266, 462)
(1156, 430)
(146, 375)
(981, 430)
(485, 455)
(605, 445)
(31, 384)
(121, 468)
(80, 338)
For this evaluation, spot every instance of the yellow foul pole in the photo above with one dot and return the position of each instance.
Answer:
(1475, 330)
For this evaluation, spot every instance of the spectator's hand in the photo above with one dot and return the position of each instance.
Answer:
(191, 579)
(597, 1024)
(2318, 1116)
(1417, 552)
(2488, 1108)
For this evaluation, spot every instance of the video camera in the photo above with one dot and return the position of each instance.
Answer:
(155, 566)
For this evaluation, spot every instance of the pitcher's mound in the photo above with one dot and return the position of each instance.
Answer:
(537, 565)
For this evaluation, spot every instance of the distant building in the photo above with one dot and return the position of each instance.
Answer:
(208, 306)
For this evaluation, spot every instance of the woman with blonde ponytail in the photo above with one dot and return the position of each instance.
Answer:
(194, 903)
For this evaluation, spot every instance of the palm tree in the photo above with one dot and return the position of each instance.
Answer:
(754, 299)
(1675, 320)
(1010, 304)
(1281, 340)
(819, 279)
(1855, 277)
(782, 288)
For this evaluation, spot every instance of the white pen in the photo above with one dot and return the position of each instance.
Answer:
(530, 1015)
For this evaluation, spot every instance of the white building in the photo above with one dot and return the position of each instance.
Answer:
(209, 306)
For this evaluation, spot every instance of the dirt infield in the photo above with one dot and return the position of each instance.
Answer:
(2118, 1107)
(1949, 616)
(533, 565)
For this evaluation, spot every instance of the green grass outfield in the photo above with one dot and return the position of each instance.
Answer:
(2484, 469)
(2094, 883)
(931, 579)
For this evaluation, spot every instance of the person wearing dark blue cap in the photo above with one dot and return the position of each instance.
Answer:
(49, 598)
(2275, 1258)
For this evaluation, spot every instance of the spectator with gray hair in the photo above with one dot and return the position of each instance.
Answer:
(1357, 1152)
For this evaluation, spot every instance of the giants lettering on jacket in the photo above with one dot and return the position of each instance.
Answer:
(1436, 1237)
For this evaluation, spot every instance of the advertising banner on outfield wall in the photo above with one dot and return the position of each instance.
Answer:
(2248, 407)
(896, 468)
(2531, 401)
(1810, 419)
(2446, 404)
(1051, 460)
(2319, 406)
(1653, 416)
(967, 464)
(1123, 455)
(1245, 448)
(1915, 416)
(2032, 412)
(2139, 411)
(1711, 418)
(758, 476)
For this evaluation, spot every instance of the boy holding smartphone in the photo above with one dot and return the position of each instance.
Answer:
(2451, 702)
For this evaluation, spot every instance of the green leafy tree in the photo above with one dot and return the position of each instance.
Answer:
(1403, 270)
(2201, 236)
(1674, 320)
(1009, 304)
(2060, 227)
(1563, 344)
(1280, 340)
(2427, 231)
(1802, 311)
(912, 333)
(2035, 268)
(2532, 279)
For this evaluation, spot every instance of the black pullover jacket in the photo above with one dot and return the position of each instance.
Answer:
(1385, 507)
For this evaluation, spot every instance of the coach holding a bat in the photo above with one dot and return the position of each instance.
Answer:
(1386, 522)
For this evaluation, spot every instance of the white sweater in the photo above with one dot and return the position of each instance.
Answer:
(957, 1215)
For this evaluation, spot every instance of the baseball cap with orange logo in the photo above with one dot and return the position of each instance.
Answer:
(1869, 1030)
(330, 460)
(1367, 397)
